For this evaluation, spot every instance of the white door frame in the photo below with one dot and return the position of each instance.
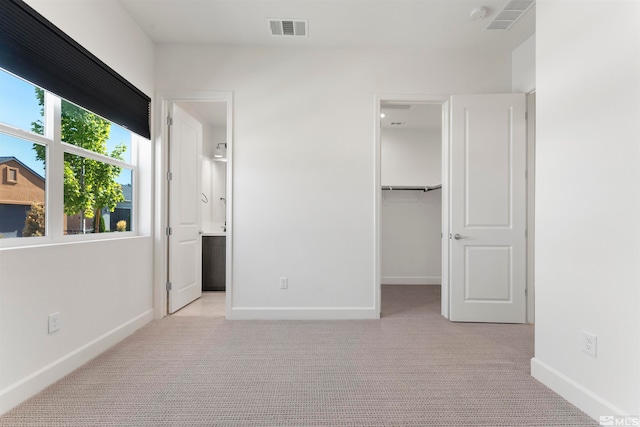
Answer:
(161, 192)
(531, 186)
(444, 99)
(377, 198)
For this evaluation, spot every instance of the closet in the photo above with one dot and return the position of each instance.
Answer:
(411, 208)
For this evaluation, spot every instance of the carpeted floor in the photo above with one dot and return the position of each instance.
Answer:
(411, 368)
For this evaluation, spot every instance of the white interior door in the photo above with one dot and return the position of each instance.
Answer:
(488, 208)
(185, 186)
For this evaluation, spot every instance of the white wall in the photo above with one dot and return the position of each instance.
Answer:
(588, 203)
(304, 161)
(213, 180)
(218, 190)
(218, 179)
(206, 210)
(411, 221)
(103, 290)
(410, 157)
(523, 66)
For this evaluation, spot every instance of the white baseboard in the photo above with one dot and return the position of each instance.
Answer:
(20, 391)
(411, 280)
(302, 313)
(576, 394)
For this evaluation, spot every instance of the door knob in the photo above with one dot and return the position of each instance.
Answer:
(458, 236)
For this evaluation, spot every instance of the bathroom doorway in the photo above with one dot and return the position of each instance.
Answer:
(214, 200)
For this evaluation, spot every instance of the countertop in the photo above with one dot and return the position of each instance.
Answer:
(214, 233)
(213, 229)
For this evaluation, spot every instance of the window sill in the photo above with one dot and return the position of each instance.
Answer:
(39, 242)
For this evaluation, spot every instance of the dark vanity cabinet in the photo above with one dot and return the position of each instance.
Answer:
(214, 260)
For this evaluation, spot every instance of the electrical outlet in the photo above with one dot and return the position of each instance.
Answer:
(284, 283)
(54, 322)
(589, 343)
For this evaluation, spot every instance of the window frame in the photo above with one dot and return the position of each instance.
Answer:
(11, 172)
(54, 177)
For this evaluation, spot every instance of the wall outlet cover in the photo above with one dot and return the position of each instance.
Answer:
(589, 343)
(54, 322)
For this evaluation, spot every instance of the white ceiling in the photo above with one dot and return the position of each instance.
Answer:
(425, 24)
(430, 24)
(207, 112)
(412, 116)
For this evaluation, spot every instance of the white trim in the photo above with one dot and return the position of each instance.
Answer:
(377, 199)
(377, 209)
(575, 393)
(531, 195)
(103, 158)
(161, 191)
(25, 135)
(229, 206)
(20, 391)
(302, 313)
(446, 174)
(411, 280)
(159, 210)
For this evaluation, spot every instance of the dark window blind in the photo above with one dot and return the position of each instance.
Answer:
(36, 50)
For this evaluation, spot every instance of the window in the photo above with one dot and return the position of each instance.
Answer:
(20, 105)
(96, 173)
(96, 178)
(12, 175)
(23, 154)
(94, 192)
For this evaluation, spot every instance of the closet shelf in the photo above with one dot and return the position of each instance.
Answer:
(425, 189)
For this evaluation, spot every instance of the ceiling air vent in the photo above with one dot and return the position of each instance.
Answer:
(508, 16)
(288, 27)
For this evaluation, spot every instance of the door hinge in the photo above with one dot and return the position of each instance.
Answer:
(526, 233)
(526, 292)
(168, 231)
(169, 120)
(526, 116)
(169, 176)
(168, 286)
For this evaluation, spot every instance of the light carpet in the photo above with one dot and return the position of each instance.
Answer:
(410, 368)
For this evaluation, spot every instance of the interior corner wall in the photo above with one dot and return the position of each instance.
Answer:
(523, 80)
(106, 30)
(304, 150)
(523, 66)
(102, 289)
(588, 203)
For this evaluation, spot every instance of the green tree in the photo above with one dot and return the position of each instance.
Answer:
(89, 185)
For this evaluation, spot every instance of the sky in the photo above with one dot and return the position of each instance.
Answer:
(19, 108)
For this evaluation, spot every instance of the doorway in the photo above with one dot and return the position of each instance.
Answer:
(409, 197)
(213, 110)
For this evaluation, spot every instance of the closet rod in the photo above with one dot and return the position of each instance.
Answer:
(425, 189)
